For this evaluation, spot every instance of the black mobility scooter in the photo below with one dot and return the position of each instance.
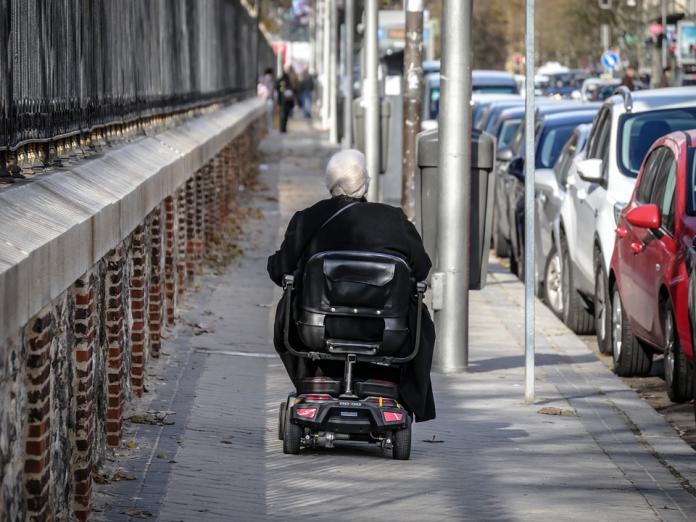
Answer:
(352, 307)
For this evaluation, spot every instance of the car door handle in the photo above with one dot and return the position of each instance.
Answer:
(621, 232)
(636, 247)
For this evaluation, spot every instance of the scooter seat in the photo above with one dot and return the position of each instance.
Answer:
(326, 385)
(376, 388)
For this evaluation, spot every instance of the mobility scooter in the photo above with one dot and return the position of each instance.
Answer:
(343, 295)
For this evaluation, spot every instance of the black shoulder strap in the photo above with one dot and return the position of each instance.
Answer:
(329, 220)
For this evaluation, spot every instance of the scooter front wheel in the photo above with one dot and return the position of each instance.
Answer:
(292, 437)
(281, 420)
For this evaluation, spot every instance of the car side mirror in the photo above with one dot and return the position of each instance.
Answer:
(504, 155)
(516, 167)
(645, 216)
(590, 170)
(545, 179)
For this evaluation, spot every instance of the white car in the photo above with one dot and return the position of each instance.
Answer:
(599, 185)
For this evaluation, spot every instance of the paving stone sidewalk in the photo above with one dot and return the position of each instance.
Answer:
(488, 456)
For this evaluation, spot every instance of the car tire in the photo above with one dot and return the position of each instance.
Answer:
(677, 369)
(401, 442)
(292, 437)
(631, 358)
(602, 308)
(553, 286)
(575, 314)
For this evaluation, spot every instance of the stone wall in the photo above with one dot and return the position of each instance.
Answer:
(67, 374)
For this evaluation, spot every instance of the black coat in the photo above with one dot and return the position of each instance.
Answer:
(371, 227)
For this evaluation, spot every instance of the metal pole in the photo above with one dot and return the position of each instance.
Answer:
(529, 130)
(348, 102)
(313, 41)
(371, 98)
(413, 96)
(333, 75)
(663, 12)
(326, 72)
(454, 212)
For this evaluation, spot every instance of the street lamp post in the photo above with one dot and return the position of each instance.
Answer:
(454, 213)
(371, 98)
(348, 87)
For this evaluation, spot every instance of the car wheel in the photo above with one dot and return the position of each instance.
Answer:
(677, 371)
(553, 285)
(630, 357)
(575, 314)
(602, 319)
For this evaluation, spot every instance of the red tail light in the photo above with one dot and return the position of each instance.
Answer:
(316, 397)
(307, 413)
(392, 416)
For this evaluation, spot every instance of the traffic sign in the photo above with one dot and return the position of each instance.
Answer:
(610, 60)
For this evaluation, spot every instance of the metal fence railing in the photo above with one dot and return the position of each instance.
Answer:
(68, 67)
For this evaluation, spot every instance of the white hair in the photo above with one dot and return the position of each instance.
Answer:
(346, 174)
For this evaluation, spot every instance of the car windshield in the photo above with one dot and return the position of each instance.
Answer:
(506, 132)
(434, 103)
(637, 133)
(495, 89)
(550, 145)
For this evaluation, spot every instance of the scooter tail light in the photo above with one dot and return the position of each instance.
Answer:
(392, 416)
(316, 397)
(307, 413)
(382, 401)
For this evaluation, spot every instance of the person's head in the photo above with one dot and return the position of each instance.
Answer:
(346, 174)
(667, 72)
(630, 71)
(268, 71)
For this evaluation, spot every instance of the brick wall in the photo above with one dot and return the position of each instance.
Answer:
(66, 377)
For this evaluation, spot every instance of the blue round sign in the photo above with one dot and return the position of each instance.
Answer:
(610, 60)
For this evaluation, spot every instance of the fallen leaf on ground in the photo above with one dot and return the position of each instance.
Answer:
(226, 441)
(200, 329)
(118, 476)
(434, 440)
(101, 479)
(552, 410)
(162, 456)
(131, 444)
(137, 513)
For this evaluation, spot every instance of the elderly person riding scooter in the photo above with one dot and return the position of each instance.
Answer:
(348, 222)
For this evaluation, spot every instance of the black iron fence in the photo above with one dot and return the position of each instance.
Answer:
(68, 67)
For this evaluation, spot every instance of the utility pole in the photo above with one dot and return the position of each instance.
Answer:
(663, 14)
(413, 95)
(529, 135)
(349, 47)
(326, 72)
(454, 212)
(333, 73)
(371, 98)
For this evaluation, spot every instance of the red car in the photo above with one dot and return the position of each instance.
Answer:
(649, 281)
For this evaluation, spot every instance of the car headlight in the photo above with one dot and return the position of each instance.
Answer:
(618, 207)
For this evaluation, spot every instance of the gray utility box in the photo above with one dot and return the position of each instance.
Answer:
(482, 192)
(359, 129)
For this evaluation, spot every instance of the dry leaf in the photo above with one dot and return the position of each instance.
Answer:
(552, 410)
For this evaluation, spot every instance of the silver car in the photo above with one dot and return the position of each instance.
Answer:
(550, 190)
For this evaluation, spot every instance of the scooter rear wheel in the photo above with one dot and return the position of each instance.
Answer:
(281, 420)
(401, 442)
(292, 436)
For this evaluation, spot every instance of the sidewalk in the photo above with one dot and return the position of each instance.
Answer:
(488, 456)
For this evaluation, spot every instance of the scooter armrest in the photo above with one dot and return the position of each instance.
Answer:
(288, 281)
(421, 287)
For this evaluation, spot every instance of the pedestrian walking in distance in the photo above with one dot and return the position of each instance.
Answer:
(306, 91)
(629, 77)
(264, 90)
(286, 99)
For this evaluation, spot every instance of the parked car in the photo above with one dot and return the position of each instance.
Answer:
(481, 103)
(598, 89)
(599, 185)
(648, 278)
(552, 132)
(503, 212)
(550, 190)
(482, 82)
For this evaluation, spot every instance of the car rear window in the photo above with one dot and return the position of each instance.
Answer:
(506, 132)
(637, 133)
(551, 144)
